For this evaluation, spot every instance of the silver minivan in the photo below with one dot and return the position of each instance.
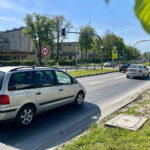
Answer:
(27, 91)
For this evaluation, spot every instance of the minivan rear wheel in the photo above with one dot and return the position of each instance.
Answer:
(25, 116)
(79, 99)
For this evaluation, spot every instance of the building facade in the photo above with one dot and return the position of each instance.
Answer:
(16, 46)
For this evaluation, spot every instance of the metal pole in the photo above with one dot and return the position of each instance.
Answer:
(148, 58)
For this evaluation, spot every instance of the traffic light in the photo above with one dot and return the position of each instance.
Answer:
(121, 55)
(63, 32)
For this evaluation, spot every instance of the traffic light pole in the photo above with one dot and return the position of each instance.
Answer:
(101, 47)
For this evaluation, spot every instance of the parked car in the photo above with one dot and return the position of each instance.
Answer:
(108, 64)
(123, 67)
(137, 71)
(27, 91)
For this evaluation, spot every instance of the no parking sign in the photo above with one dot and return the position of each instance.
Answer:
(44, 51)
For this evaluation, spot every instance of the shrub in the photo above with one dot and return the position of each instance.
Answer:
(51, 62)
(29, 62)
(66, 63)
(10, 63)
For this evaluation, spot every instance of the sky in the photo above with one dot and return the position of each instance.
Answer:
(117, 16)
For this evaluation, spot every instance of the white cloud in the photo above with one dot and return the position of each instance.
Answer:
(12, 6)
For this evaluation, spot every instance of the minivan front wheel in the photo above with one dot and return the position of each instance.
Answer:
(25, 115)
(79, 99)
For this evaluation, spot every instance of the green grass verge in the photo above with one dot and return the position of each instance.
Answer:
(100, 137)
(90, 72)
(145, 64)
(103, 138)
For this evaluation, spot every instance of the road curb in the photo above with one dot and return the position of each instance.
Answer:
(95, 74)
(123, 102)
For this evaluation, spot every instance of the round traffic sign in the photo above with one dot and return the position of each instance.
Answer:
(44, 51)
(115, 52)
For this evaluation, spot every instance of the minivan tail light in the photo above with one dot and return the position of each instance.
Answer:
(126, 70)
(4, 99)
(140, 70)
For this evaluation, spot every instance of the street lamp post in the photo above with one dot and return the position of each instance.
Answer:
(138, 43)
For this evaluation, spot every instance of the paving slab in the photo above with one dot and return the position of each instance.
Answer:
(127, 121)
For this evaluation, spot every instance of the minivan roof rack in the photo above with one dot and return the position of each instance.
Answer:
(33, 67)
(22, 67)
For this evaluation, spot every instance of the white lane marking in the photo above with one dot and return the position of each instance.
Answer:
(97, 82)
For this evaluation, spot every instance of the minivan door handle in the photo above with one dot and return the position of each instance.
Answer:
(38, 93)
(60, 89)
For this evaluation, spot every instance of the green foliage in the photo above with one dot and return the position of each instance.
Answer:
(10, 63)
(110, 39)
(96, 46)
(86, 38)
(142, 11)
(61, 23)
(51, 62)
(29, 62)
(41, 30)
(66, 62)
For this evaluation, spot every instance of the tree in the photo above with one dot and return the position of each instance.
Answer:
(96, 47)
(61, 23)
(86, 38)
(50, 35)
(35, 27)
(109, 40)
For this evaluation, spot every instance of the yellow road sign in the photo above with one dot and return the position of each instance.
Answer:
(114, 47)
(115, 54)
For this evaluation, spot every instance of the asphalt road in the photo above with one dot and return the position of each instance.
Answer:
(55, 127)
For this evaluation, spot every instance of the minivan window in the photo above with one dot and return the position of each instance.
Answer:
(44, 78)
(63, 78)
(2, 76)
(20, 81)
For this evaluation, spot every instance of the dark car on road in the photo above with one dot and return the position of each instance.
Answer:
(123, 67)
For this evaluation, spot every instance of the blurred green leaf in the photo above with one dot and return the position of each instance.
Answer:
(142, 11)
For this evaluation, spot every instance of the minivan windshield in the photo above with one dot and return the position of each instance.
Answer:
(2, 75)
